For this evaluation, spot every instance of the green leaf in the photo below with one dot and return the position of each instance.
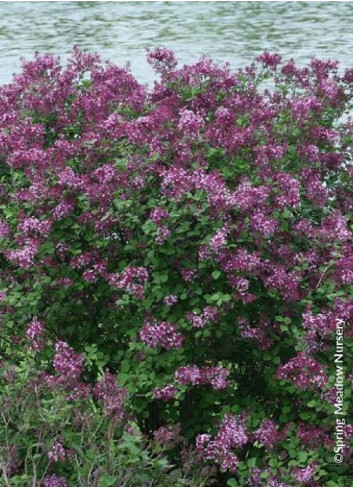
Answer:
(106, 480)
(232, 482)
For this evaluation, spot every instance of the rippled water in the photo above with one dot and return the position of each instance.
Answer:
(226, 31)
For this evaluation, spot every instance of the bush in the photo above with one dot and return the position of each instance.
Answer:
(53, 436)
(192, 241)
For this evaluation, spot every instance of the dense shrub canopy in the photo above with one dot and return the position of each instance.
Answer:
(192, 240)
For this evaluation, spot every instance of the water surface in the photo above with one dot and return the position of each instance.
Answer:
(226, 31)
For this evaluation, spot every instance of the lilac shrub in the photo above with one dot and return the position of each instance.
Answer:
(185, 250)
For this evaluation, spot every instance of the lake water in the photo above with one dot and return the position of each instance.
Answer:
(226, 31)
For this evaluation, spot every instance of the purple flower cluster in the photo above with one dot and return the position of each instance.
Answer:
(241, 286)
(232, 434)
(54, 480)
(162, 59)
(208, 315)
(24, 257)
(216, 376)
(313, 436)
(267, 433)
(32, 225)
(190, 123)
(4, 230)
(278, 278)
(165, 393)
(113, 397)
(263, 224)
(133, 279)
(35, 329)
(57, 453)
(188, 274)
(219, 240)
(168, 435)
(68, 367)
(169, 300)
(304, 372)
(335, 227)
(270, 60)
(35, 333)
(158, 214)
(161, 334)
(258, 333)
(67, 363)
(318, 327)
(163, 234)
(305, 476)
(288, 191)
